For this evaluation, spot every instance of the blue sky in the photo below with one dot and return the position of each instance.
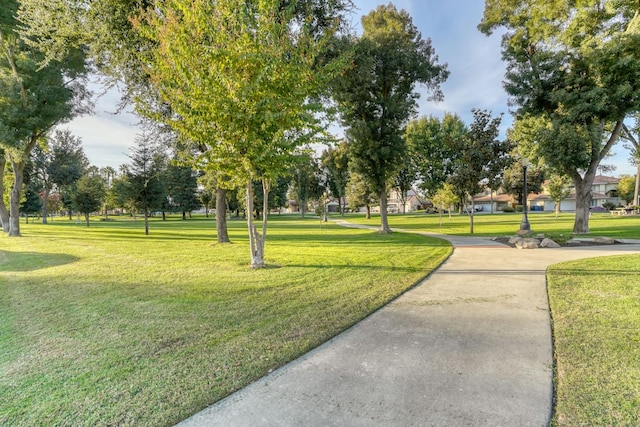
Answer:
(473, 59)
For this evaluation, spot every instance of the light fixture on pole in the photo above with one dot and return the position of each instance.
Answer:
(525, 228)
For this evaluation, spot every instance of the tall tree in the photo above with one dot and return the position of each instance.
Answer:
(429, 148)
(35, 95)
(59, 163)
(574, 68)
(377, 95)
(479, 152)
(242, 81)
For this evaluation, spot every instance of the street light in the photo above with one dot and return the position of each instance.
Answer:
(524, 224)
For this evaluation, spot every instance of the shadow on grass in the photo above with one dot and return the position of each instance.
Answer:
(30, 261)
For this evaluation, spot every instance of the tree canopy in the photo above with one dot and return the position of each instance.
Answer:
(573, 70)
(242, 82)
(377, 95)
(35, 95)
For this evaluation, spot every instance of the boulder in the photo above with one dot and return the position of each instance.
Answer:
(515, 239)
(528, 244)
(548, 243)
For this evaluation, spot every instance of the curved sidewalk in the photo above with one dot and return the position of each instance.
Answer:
(470, 345)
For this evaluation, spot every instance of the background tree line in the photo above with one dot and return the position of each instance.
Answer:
(246, 90)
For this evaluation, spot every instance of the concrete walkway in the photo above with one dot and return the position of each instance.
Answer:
(469, 346)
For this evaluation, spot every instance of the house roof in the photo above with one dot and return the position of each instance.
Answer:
(496, 198)
(571, 196)
(601, 179)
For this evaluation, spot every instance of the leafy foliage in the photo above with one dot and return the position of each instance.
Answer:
(482, 157)
(626, 187)
(88, 195)
(377, 95)
(574, 68)
(430, 148)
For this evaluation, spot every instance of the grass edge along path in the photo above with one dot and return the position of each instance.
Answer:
(506, 224)
(595, 308)
(106, 326)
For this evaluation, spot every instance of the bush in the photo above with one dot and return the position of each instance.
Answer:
(519, 208)
(508, 209)
(608, 205)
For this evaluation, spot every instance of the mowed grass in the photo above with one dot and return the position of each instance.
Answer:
(595, 306)
(506, 224)
(107, 326)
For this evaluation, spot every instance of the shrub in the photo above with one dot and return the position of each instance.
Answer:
(508, 209)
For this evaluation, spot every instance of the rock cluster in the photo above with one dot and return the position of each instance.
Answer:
(539, 241)
(532, 243)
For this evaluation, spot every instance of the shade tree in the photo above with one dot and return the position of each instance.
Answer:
(573, 70)
(35, 96)
(243, 83)
(377, 95)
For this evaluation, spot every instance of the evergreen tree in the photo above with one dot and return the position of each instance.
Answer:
(146, 189)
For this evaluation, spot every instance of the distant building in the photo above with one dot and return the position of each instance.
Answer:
(604, 190)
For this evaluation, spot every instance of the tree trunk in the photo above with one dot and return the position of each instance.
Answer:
(4, 213)
(256, 243)
(45, 199)
(491, 201)
(384, 221)
(368, 212)
(557, 208)
(86, 218)
(637, 187)
(146, 222)
(184, 215)
(303, 207)
(583, 202)
(14, 207)
(471, 212)
(221, 215)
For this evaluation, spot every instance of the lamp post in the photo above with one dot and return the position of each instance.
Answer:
(524, 224)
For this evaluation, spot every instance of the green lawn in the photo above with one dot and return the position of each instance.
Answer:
(596, 317)
(106, 326)
(499, 224)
